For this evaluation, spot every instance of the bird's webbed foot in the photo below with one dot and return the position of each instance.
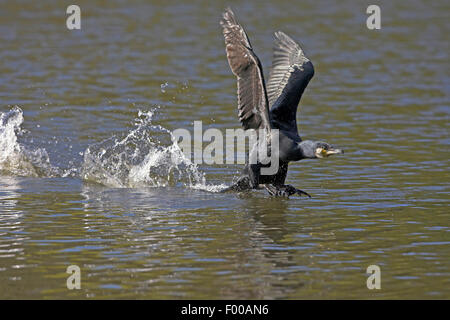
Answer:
(285, 190)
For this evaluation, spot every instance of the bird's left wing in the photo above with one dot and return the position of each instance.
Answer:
(252, 97)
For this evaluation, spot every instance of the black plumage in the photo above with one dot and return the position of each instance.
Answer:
(290, 74)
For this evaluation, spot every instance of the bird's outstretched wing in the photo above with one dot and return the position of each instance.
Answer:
(289, 76)
(252, 97)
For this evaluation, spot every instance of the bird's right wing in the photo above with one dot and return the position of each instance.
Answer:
(289, 76)
(252, 97)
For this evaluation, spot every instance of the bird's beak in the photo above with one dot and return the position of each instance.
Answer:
(333, 151)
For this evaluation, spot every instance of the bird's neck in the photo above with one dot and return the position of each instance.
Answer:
(306, 148)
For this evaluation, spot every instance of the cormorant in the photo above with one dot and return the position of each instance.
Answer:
(290, 74)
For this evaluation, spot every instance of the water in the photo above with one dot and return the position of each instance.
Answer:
(89, 175)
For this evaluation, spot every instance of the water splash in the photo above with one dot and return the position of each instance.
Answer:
(163, 87)
(146, 156)
(16, 158)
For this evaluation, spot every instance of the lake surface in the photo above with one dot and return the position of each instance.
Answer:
(90, 177)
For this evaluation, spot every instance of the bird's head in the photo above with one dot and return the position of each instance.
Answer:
(318, 149)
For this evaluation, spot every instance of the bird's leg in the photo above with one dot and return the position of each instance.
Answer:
(284, 190)
(241, 185)
(272, 190)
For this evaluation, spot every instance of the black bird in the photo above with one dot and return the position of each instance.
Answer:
(290, 74)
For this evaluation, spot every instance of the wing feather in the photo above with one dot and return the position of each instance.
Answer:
(290, 74)
(252, 97)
